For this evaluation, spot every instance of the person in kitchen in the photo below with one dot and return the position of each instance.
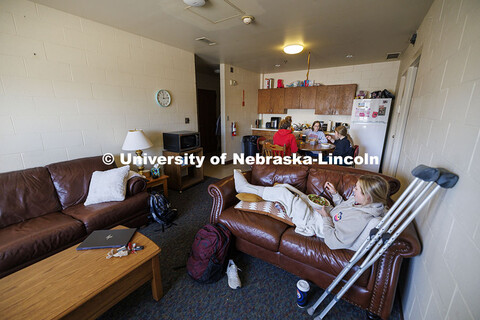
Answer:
(284, 136)
(343, 143)
(314, 134)
(340, 226)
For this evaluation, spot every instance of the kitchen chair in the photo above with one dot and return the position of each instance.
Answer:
(273, 149)
(356, 150)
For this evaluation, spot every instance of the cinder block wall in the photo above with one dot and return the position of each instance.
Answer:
(443, 130)
(71, 87)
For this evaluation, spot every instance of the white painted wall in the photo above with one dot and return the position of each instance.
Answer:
(443, 131)
(231, 106)
(370, 77)
(71, 87)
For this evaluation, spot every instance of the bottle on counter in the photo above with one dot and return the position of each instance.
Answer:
(329, 126)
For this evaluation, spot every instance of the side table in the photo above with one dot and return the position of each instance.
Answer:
(162, 180)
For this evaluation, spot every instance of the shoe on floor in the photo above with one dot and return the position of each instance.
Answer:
(232, 273)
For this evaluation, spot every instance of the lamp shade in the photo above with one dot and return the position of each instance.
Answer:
(136, 140)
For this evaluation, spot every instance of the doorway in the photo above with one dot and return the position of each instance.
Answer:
(397, 132)
(207, 120)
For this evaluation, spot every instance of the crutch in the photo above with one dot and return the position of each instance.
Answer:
(446, 180)
(422, 173)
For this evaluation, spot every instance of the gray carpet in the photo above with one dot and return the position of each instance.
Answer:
(268, 292)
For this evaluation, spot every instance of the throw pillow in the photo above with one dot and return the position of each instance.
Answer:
(267, 208)
(107, 186)
(249, 197)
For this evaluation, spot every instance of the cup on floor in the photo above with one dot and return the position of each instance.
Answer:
(302, 291)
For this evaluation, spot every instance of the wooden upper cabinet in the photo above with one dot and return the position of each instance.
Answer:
(271, 101)
(307, 97)
(346, 94)
(264, 101)
(277, 100)
(335, 100)
(292, 98)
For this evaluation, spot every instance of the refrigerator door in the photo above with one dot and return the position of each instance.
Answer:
(368, 129)
(370, 138)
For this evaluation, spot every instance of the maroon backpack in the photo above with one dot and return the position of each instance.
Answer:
(208, 258)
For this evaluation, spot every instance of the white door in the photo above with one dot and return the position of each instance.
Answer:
(397, 130)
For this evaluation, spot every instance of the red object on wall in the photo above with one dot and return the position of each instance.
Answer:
(234, 129)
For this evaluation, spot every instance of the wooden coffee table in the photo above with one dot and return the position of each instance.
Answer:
(79, 284)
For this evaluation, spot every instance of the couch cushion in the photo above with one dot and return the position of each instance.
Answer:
(255, 228)
(314, 252)
(26, 194)
(34, 238)
(108, 214)
(268, 175)
(343, 180)
(72, 178)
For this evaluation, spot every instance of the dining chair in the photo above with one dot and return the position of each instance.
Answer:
(356, 150)
(273, 149)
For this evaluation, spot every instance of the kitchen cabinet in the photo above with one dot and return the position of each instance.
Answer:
(335, 99)
(277, 100)
(264, 101)
(292, 98)
(271, 101)
(308, 97)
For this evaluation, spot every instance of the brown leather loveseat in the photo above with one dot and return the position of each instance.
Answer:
(308, 257)
(42, 210)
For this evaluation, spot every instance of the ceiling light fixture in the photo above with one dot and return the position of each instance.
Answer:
(277, 65)
(248, 19)
(293, 49)
(194, 3)
(349, 56)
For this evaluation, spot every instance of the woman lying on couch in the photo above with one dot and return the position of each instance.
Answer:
(340, 226)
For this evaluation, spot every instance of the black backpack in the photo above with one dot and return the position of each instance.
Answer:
(161, 211)
(207, 260)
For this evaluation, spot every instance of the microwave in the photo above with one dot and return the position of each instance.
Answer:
(179, 141)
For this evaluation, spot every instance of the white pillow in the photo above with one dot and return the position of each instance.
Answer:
(108, 185)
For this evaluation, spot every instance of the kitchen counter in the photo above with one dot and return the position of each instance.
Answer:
(294, 132)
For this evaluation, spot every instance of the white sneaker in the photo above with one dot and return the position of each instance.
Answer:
(232, 273)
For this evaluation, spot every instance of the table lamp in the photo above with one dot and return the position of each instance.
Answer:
(136, 140)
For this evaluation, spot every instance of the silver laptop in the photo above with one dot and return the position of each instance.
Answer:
(100, 239)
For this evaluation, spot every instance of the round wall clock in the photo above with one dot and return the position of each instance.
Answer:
(163, 98)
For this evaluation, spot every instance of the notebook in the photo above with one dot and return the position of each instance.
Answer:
(100, 239)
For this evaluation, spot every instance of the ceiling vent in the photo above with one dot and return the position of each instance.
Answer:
(394, 55)
(206, 40)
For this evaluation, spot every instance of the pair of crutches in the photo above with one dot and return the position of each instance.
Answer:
(389, 228)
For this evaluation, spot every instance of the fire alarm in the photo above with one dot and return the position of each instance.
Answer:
(194, 3)
(248, 19)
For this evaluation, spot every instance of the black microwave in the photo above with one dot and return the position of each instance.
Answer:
(180, 141)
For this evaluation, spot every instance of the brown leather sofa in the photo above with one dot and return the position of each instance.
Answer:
(308, 257)
(42, 211)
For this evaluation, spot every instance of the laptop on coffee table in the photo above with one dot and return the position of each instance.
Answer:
(100, 239)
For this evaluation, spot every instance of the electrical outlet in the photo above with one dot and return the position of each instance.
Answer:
(187, 120)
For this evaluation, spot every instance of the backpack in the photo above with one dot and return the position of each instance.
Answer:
(207, 260)
(160, 210)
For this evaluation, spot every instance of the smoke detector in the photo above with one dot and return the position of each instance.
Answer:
(194, 3)
(248, 19)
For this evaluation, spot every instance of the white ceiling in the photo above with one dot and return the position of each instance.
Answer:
(329, 29)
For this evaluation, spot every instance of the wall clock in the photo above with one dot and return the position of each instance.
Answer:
(163, 98)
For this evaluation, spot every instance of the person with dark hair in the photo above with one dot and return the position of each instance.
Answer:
(284, 136)
(315, 134)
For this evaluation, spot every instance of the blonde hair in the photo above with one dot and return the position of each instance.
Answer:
(375, 188)
(343, 131)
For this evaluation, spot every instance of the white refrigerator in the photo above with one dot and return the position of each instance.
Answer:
(368, 129)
